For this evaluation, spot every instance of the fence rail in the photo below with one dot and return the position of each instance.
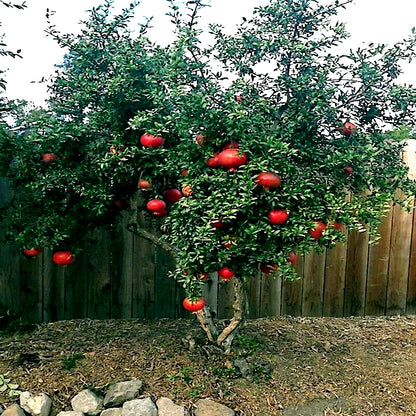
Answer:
(119, 275)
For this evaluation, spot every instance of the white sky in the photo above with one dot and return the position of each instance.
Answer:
(367, 20)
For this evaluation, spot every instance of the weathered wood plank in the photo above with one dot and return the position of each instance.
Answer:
(99, 275)
(31, 287)
(271, 296)
(378, 266)
(292, 291)
(164, 289)
(9, 262)
(313, 284)
(122, 270)
(225, 300)
(253, 296)
(356, 273)
(399, 261)
(144, 273)
(335, 268)
(411, 290)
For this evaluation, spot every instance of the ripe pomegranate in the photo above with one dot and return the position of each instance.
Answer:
(160, 214)
(232, 158)
(143, 184)
(337, 225)
(63, 258)
(268, 180)
(348, 170)
(48, 157)
(213, 162)
(349, 128)
(200, 139)
(172, 195)
(225, 273)
(31, 252)
(193, 305)
(292, 258)
(217, 224)
(269, 268)
(278, 216)
(148, 140)
(318, 230)
(203, 276)
(155, 205)
(184, 172)
(187, 190)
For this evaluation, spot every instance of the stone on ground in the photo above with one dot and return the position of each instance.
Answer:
(207, 407)
(166, 407)
(13, 410)
(36, 405)
(87, 402)
(139, 407)
(122, 392)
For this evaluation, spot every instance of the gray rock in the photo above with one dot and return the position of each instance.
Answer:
(244, 367)
(36, 405)
(166, 407)
(13, 410)
(116, 411)
(207, 407)
(139, 407)
(87, 402)
(122, 392)
(70, 413)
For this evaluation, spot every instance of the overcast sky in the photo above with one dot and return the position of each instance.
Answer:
(367, 20)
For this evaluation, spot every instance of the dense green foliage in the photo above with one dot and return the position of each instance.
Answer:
(276, 87)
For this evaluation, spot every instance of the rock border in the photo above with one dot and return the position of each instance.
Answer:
(121, 399)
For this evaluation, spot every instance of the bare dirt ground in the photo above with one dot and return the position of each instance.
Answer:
(300, 366)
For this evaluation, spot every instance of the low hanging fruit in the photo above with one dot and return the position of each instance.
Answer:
(187, 190)
(172, 195)
(193, 305)
(218, 224)
(292, 258)
(156, 205)
(349, 128)
(63, 258)
(278, 216)
(213, 162)
(348, 170)
(32, 252)
(48, 157)
(148, 140)
(268, 180)
(143, 184)
(232, 158)
(269, 268)
(225, 273)
(317, 232)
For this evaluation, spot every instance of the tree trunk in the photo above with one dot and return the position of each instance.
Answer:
(226, 337)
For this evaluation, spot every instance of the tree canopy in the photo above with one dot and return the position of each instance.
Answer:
(272, 141)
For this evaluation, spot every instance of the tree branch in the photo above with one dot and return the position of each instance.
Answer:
(207, 323)
(136, 229)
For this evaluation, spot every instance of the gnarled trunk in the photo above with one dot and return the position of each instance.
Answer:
(226, 337)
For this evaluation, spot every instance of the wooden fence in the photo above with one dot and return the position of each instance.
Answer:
(120, 275)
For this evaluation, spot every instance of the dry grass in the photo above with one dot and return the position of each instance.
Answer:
(302, 366)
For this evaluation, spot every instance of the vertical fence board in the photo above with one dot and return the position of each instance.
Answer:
(271, 295)
(31, 287)
(378, 266)
(292, 291)
(335, 268)
(225, 300)
(313, 285)
(356, 273)
(99, 275)
(253, 296)
(399, 261)
(165, 289)
(411, 290)
(9, 263)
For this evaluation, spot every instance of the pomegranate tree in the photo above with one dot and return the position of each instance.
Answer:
(244, 167)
